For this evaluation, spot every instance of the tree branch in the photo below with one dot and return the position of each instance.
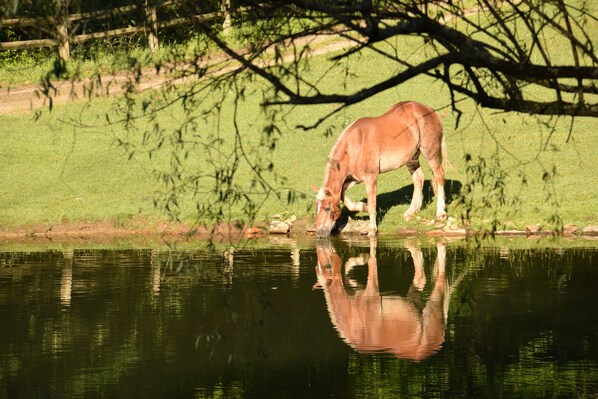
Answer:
(370, 91)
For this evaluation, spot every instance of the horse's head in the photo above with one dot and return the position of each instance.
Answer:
(329, 262)
(328, 210)
(328, 269)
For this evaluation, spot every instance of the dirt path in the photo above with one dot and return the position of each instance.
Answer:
(29, 97)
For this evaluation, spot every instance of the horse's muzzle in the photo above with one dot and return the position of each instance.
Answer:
(323, 232)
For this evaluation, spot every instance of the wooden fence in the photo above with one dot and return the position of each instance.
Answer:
(60, 28)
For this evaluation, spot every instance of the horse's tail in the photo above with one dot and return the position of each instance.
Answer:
(445, 162)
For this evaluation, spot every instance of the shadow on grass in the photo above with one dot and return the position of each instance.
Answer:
(400, 197)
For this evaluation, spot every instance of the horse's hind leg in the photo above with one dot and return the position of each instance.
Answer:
(417, 175)
(438, 186)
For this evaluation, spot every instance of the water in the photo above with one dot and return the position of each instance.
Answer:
(309, 319)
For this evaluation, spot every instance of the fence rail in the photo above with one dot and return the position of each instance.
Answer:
(60, 27)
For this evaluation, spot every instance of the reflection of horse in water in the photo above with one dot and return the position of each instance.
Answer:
(371, 322)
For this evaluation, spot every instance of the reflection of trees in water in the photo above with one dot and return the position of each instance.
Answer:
(184, 268)
(522, 308)
(238, 306)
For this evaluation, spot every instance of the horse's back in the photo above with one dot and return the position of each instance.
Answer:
(404, 117)
(419, 125)
(408, 112)
(392, 139)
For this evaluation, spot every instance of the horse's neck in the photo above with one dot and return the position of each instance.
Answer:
(337, 170)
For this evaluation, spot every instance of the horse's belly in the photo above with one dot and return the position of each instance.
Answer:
(388, 163)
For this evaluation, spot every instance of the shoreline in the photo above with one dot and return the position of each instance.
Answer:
(106, 232)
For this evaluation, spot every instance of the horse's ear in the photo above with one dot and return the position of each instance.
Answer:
(316, 189)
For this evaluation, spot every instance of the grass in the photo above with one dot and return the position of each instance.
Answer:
(51, 174)
(67, 165)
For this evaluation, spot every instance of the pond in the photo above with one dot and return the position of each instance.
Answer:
(309, 318)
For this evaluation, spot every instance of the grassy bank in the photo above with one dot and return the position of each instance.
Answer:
(508, 169)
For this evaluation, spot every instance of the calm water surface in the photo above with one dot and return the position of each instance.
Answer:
(333, 318)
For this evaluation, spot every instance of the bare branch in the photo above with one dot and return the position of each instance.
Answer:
(370, 91)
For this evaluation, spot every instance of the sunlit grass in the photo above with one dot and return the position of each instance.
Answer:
(54, 170)
(52, 173)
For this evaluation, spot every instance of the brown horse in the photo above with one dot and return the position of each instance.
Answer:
(371, 322)
(370, 146)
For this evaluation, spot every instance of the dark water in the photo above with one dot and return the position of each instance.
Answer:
(329, 319)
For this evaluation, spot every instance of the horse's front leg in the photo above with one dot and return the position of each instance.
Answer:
(371, 187)
(352, 206)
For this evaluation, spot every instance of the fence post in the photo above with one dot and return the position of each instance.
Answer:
(151, 26)
(64, 47)
(225, 7)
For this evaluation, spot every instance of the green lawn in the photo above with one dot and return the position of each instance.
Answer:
(68, 166)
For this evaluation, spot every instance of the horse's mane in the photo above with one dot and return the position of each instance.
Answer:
(337, 147)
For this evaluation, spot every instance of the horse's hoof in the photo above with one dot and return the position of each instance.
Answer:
(408, 217)
(442, 217)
